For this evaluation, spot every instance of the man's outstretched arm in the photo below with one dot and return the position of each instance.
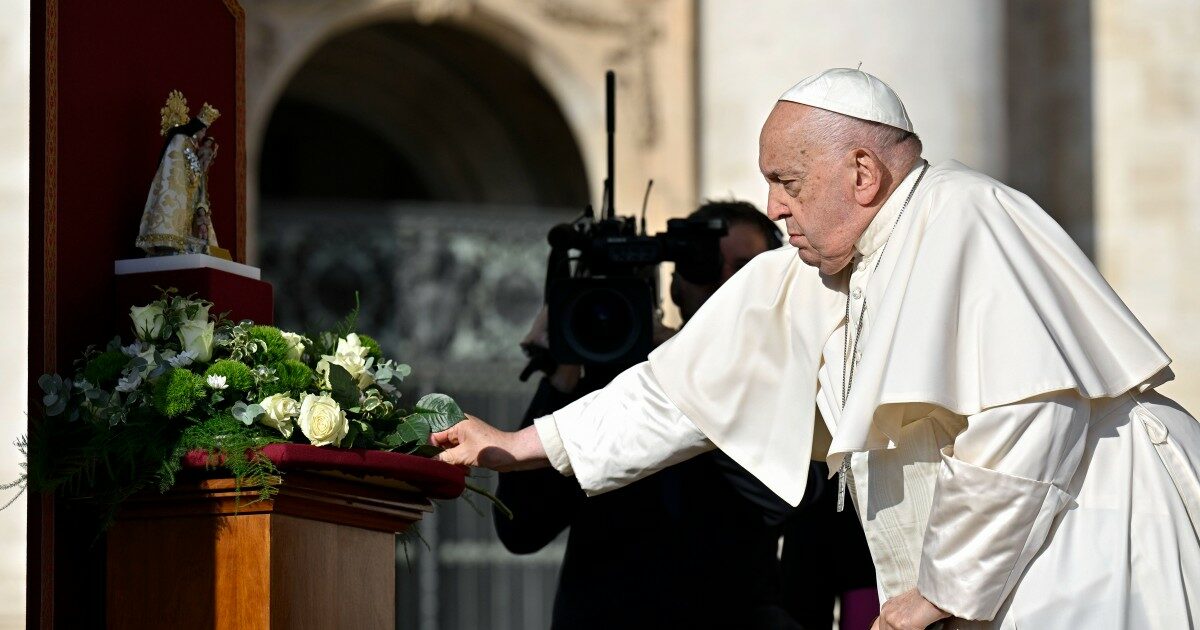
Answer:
(607, 439)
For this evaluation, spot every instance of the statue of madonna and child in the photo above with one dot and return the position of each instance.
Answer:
(177, 218)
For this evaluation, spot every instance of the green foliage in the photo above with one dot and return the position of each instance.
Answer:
(372, 346)
(291, 376)
(441, 411)
(246, 413)
(56, 393)
(177, 392)
(101, 469)
(237, 375)
(105, 368)
(433, 413)
(276, 347)
(236, 447)
(120, 424)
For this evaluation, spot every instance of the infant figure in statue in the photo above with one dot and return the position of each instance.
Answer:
(177, 218)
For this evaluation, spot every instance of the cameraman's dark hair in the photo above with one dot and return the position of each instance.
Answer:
(744, 212)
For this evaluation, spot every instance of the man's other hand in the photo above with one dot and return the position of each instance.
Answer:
(474, 442)
(908, 611)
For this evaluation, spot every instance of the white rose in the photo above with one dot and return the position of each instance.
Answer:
(197, 337)
(216, 381)
(295, 345)
(350, 345)
(148, 321)
(354, 364)
(322, 421)
(280, 410)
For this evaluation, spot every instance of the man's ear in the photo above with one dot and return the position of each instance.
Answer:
(868, 176)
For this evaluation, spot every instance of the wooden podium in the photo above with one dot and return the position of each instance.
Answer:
(320, 555)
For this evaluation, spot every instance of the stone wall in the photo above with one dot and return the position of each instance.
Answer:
(1147, 138)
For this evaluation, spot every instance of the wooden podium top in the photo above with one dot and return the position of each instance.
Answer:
(376, 504)
(376, 490)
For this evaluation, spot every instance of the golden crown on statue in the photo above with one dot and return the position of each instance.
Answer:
(174, 113)
(208, 114)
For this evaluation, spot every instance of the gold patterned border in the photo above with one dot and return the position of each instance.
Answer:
(239, 75)
(50, 199)
(43, 538)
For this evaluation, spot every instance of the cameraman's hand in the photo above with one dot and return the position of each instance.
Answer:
(565, 377)
(473, 442)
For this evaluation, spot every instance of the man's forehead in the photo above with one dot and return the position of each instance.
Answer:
(780, 146)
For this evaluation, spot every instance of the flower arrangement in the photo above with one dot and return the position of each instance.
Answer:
(190, 381)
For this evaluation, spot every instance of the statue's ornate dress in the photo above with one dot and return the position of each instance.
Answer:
(175, 194)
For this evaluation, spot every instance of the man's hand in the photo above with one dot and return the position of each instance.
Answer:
(909, 611)
(474, 442)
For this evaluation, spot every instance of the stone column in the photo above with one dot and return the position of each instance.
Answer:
(943, 58)
(1147, 127)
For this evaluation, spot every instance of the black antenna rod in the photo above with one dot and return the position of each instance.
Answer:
(646, 202)
(610, 97)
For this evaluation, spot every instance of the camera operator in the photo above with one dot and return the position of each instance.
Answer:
(692, 546)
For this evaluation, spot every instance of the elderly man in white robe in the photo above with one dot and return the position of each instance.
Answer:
(948, 349)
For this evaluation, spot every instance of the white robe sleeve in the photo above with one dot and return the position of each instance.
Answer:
(619, 434)
(1000, 487)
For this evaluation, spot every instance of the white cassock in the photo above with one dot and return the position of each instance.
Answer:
(1009, 455)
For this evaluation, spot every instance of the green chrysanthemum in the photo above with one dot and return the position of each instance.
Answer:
(105, 368)
(372, 346)
(177, 391)
(237, 374)
(291, 376)
(277, 346)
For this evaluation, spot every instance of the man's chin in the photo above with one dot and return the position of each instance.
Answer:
(808, 257)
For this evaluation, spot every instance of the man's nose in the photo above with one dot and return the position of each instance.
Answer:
(777, 210)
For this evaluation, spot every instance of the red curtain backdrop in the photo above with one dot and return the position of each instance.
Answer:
(99, 73)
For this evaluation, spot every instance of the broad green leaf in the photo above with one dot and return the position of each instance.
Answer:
(344, 387)
(440, 410)
(412, 430)
(424, 450)
(351, 435)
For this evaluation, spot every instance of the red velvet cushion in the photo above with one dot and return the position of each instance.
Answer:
(436, 479)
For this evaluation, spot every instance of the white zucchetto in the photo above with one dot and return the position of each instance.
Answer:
(852, 93)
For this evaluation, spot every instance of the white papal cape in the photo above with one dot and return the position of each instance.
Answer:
(1010, 457)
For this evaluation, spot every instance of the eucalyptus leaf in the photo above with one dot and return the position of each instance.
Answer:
(58, 407)
(440, 410)
(245, 413)
(50, 383)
